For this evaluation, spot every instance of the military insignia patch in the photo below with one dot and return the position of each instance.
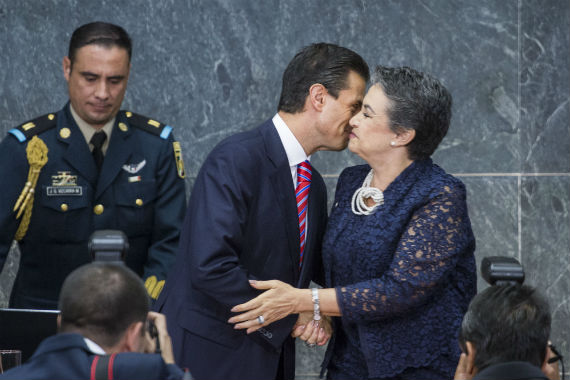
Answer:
(153, 286)
(64, 184)
(134, 168)
(178, 159)
(63, 179)
(154, 123)
(28, 126)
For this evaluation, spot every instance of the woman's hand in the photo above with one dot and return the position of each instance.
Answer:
(311, 331)
(280, 300)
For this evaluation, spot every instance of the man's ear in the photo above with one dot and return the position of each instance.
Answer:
(66, 64)
(317, 96)
(133, 338)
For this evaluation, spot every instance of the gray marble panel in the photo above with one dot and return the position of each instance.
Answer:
(493, 210)
(472, 48)
(213, 68)
(545, 86)
(308, 360)
(545, 207)
(330, 182)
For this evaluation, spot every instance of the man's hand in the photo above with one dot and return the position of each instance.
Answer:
(462, 372)
(551, 370)
(159, 321)
(311, 331)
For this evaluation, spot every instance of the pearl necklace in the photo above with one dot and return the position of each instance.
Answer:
(359, 206)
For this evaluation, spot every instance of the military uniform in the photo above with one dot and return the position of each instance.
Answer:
(140, 191)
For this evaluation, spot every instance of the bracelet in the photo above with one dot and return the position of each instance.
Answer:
(316, 306)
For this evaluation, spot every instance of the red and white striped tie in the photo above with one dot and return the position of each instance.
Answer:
(302, 194)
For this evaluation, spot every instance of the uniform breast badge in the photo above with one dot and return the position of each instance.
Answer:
(134, 168)
(64, 184)
(36, 152)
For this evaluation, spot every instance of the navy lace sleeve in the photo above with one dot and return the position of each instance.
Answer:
(427, 251)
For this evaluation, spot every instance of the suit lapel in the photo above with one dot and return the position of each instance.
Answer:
(117, 155)
(281, 181)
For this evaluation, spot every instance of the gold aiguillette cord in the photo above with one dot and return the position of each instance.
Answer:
(36, 151)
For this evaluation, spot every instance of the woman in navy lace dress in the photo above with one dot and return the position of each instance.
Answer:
(398, 252)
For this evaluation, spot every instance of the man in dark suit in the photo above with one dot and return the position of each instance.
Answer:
(89, 167)
(102, 331)
(504, 335)
(246, 221)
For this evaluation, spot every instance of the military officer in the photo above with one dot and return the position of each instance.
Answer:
(88, 167)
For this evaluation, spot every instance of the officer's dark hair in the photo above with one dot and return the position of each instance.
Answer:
(322, 63)
(101, 300)
(99, 33)
(507, 323)
(418, 101)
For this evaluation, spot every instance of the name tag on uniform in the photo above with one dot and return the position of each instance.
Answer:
(55, 191)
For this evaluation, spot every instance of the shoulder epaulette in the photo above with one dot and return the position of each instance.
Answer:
(34, 127)
(148, 124)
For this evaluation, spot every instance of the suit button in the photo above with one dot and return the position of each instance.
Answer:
(64, 207)
(139, 202)
(98, 210)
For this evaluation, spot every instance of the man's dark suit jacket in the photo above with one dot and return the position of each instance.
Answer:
(66, 356)
(241, 224)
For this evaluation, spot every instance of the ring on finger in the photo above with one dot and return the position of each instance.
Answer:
(310, 344)
(261, 320)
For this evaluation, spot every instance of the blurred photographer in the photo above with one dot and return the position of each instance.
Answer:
(103, 331)
(504, 335)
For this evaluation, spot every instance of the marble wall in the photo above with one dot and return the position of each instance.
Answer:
(213, 68)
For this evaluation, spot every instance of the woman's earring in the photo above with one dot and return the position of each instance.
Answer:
(392, 143)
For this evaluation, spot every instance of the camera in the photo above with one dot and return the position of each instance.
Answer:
(153, 332)
(108, 246)
(498, 270)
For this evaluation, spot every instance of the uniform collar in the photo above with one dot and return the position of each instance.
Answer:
(88, 131)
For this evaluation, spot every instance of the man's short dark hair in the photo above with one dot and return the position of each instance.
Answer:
(101, 300)
(322, 63)
(99, 33)
(419, 102)
(507, 323)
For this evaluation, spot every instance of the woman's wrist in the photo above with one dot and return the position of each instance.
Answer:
(304, 301)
